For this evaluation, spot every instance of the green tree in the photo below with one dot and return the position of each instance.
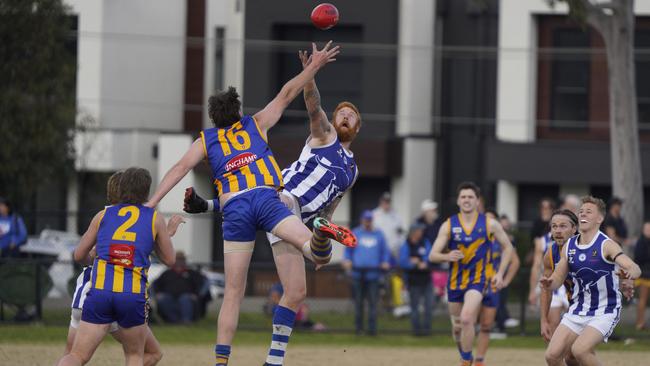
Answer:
(614, 20)
(37, 98)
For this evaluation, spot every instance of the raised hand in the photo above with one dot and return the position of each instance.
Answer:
(305, 59)
(320, 58)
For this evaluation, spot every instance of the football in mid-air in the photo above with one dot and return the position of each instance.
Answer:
(325, 16)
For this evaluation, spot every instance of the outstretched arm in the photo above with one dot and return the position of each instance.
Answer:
(192, 157)
(613, 252)
(553, 282)
(269, 116)
(319, 126)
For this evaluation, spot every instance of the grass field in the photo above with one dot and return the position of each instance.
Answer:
(42, 344)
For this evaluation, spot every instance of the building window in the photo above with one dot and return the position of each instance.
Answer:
(331, 89)
(572, 82)
(219, 47)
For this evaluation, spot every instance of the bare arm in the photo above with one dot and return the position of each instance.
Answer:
(506, 251)
(535, 270)
(87, 242)
(191, 158)
(319, 126)
(515, 263)
(436, 255)
(163, 246)
(611, 249)
(559, 275)
(546, 295)
(269, 116)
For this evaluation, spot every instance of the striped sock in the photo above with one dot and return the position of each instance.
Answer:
(321, 247)
(283, 320)
(222, 353)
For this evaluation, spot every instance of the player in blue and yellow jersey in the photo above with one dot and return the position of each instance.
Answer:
(124, 235)
(492, 298)
(152, 350)
(248, 179)
(468, 236)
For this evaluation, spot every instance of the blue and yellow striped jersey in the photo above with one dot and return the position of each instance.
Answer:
(125, 240)
(240, 157)
(475, 243)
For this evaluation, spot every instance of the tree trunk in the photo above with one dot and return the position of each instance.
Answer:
(618, 33)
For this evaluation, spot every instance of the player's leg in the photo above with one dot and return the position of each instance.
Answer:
(644, 291)
(75, 319)
(88, 337)
(237, 257)
(291, 270)
(455, 308)
(468, 316)
(133, 340)
(560, 344)
(583, 348)
(488, 315)
(152, 351)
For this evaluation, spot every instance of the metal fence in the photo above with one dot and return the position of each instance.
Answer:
(43, 287)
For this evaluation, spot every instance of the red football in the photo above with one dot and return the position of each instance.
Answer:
(325, 16)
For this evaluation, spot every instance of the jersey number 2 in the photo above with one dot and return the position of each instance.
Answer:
(121, 233)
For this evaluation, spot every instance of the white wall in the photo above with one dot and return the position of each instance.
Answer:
(225, 14)
(415, 106)
(194, 237)
(143, 52)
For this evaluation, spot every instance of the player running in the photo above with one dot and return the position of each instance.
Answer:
(590, 262)
(491, 300)
(469, 236)
(152, 351)
(124, 236)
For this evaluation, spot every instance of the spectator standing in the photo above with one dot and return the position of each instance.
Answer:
(13, 233)
(179, 292)
(365, 264)
(642, 258)
(413, 259)
(430, 217)
(386, 219)
(503, 319)
(614, 225)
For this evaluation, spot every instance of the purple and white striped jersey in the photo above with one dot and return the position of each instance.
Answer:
(595, 283)
(81, 290)
(319, 176)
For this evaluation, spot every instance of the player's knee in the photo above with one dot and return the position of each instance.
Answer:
(154, 358)
(569, 360)
(81, 357)
(466, 321)
(579, 351)
(552, 356)
(296, 294)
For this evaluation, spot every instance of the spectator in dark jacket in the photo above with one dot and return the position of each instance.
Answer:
(642, 258)
(179, 292)
(12, 230)
(413, 259)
